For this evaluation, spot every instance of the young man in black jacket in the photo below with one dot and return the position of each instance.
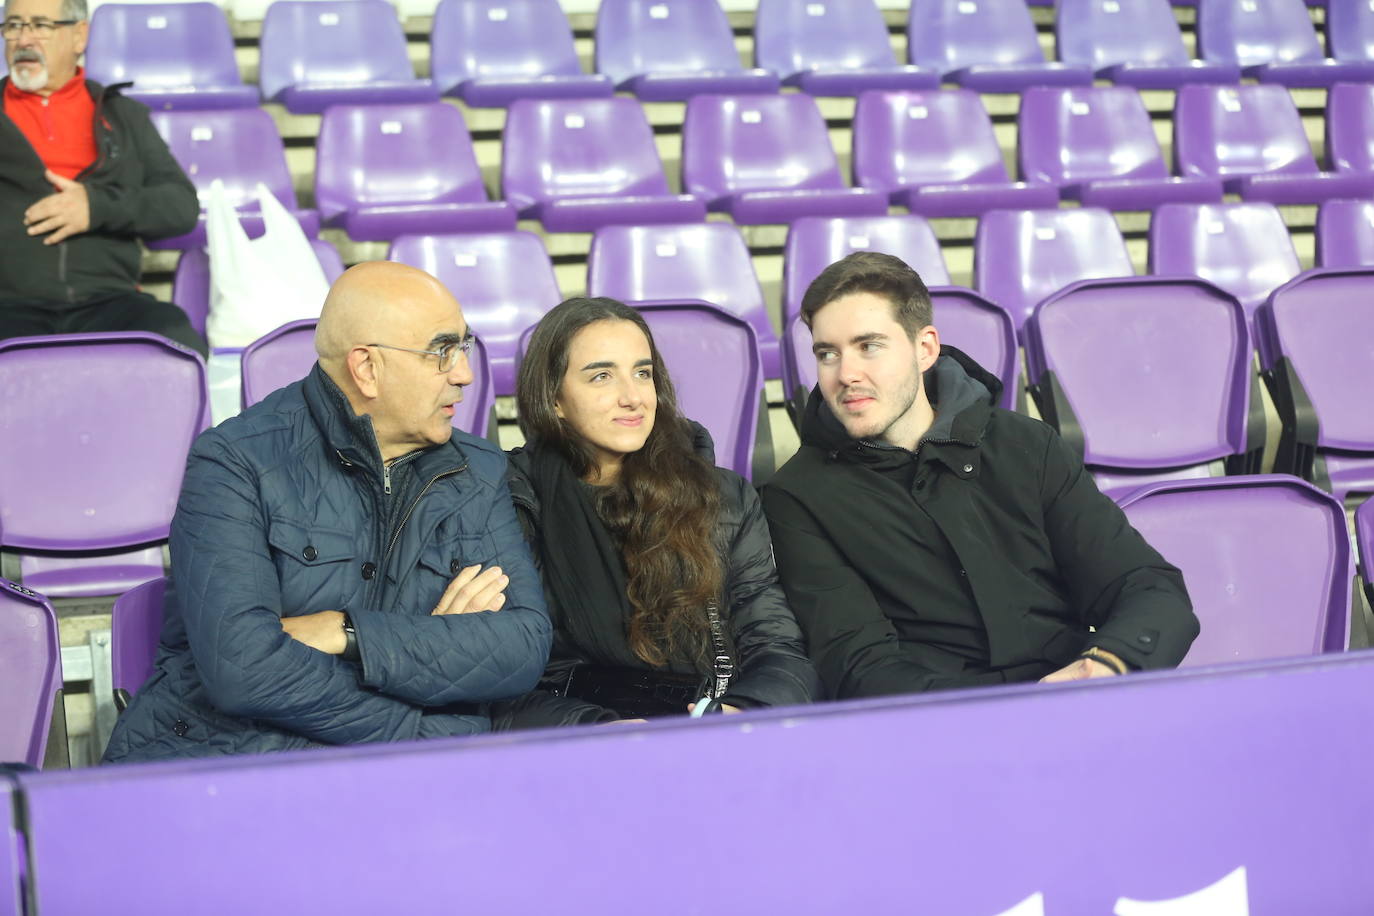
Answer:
(83, 176)
(928, 540)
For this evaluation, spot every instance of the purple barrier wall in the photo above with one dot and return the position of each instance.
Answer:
(1059, 800)
(10, 844)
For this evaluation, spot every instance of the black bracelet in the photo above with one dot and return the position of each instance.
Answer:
(1092, 653)
(350, 652)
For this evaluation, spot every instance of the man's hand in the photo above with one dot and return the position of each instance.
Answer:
(474, 589)
(322, 630)
(64, 214)
(724, 707)
(1081, 670)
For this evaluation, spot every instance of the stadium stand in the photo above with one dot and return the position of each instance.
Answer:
(987, 45)
(1138, 44)
(1273, 41)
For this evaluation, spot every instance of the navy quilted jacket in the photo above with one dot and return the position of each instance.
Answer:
(283, 512)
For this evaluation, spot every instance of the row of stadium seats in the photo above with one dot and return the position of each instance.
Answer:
(490, 52)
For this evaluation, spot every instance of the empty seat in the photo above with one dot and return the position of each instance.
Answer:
(1252, 138)
(669, 50)
(1364, 540)
(1319, 327)
(317, 53)
(1350, 127)
(703, 261)
(30, 673)
(242, 149)
(491, 52)
(936, 154)
(987, 45)
(135, 627)
(713, 359)
(1022, 256)
(191, 282)
(832, 47)
(1345, 233)
(577, 164)
(1133, 43)
(1273, 41)
(504, 280)
(1350, 31)
(767, 159)
(387, 170)
(99, 428)
(178, 55)
(287, 355)
(1111, 371)
(816, 242)
(1243, 248)
(1266, 559)
(1098, 146)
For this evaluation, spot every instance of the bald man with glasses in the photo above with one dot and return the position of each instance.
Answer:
(83, 177)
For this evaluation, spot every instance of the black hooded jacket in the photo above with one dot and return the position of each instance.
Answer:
(983, 557)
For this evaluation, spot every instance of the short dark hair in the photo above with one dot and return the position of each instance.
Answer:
(879, 274)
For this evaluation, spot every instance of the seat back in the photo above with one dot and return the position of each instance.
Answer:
(1070, 135)
(1364, 541)
(793, 36)
(555, 148)
(135, 626)
(1255, 32)
(475, 39)
(1350, 31)
(1266, 560)
(1350, 126)
(374, 155)
(903, 139)
(1022, 256)
(504, 280)
(191, 282)
(732, 144)
(816, 242)
(1226, 131)
(30, 672)
(161, 46)
(331, 41)
(1243, 248)
(1144, 395)
(1104, 33)
(1345, 233)
(241, 147)
(949, 35)
(634, 37)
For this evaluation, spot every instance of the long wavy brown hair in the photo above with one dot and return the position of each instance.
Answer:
(661, 510)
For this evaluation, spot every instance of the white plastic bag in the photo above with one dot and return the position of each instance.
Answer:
(258, 285)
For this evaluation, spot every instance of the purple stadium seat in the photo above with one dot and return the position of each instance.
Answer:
(1345, 233)
(935, 153)
(504, 280)
(1022, 256)
(987, 45)
(1098, 146)
(1133, 43)
(491, 52)
(388, 170)
(178, 55)
(767, 159)
(1273, 41)
(1350, 31)
(713, 358)
(30, 674)
(1364, 540)
(670, 50)
(191, 282)
(1252, 138)
(1350, 127)
(816, 242)
(287, 355)
(1243, 248)
(1110, 370)
(697, 261)
(1319, 327)
(135, 625)
(240, 147)
(1266, 559)
(832, 47)
(100, 425)
(578, 164)
(317, 53)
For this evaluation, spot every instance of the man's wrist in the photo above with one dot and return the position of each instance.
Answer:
(1103, 657)
(350, 651)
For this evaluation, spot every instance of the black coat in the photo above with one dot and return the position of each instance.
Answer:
(772, 668)
(135, 189)
(983, 557)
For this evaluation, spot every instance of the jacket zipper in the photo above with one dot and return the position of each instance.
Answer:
(396, 535)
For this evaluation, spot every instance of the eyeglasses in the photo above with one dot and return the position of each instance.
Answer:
(42, 28)
(448, 353)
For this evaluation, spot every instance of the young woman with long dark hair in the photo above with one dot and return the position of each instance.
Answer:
(657, 564)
